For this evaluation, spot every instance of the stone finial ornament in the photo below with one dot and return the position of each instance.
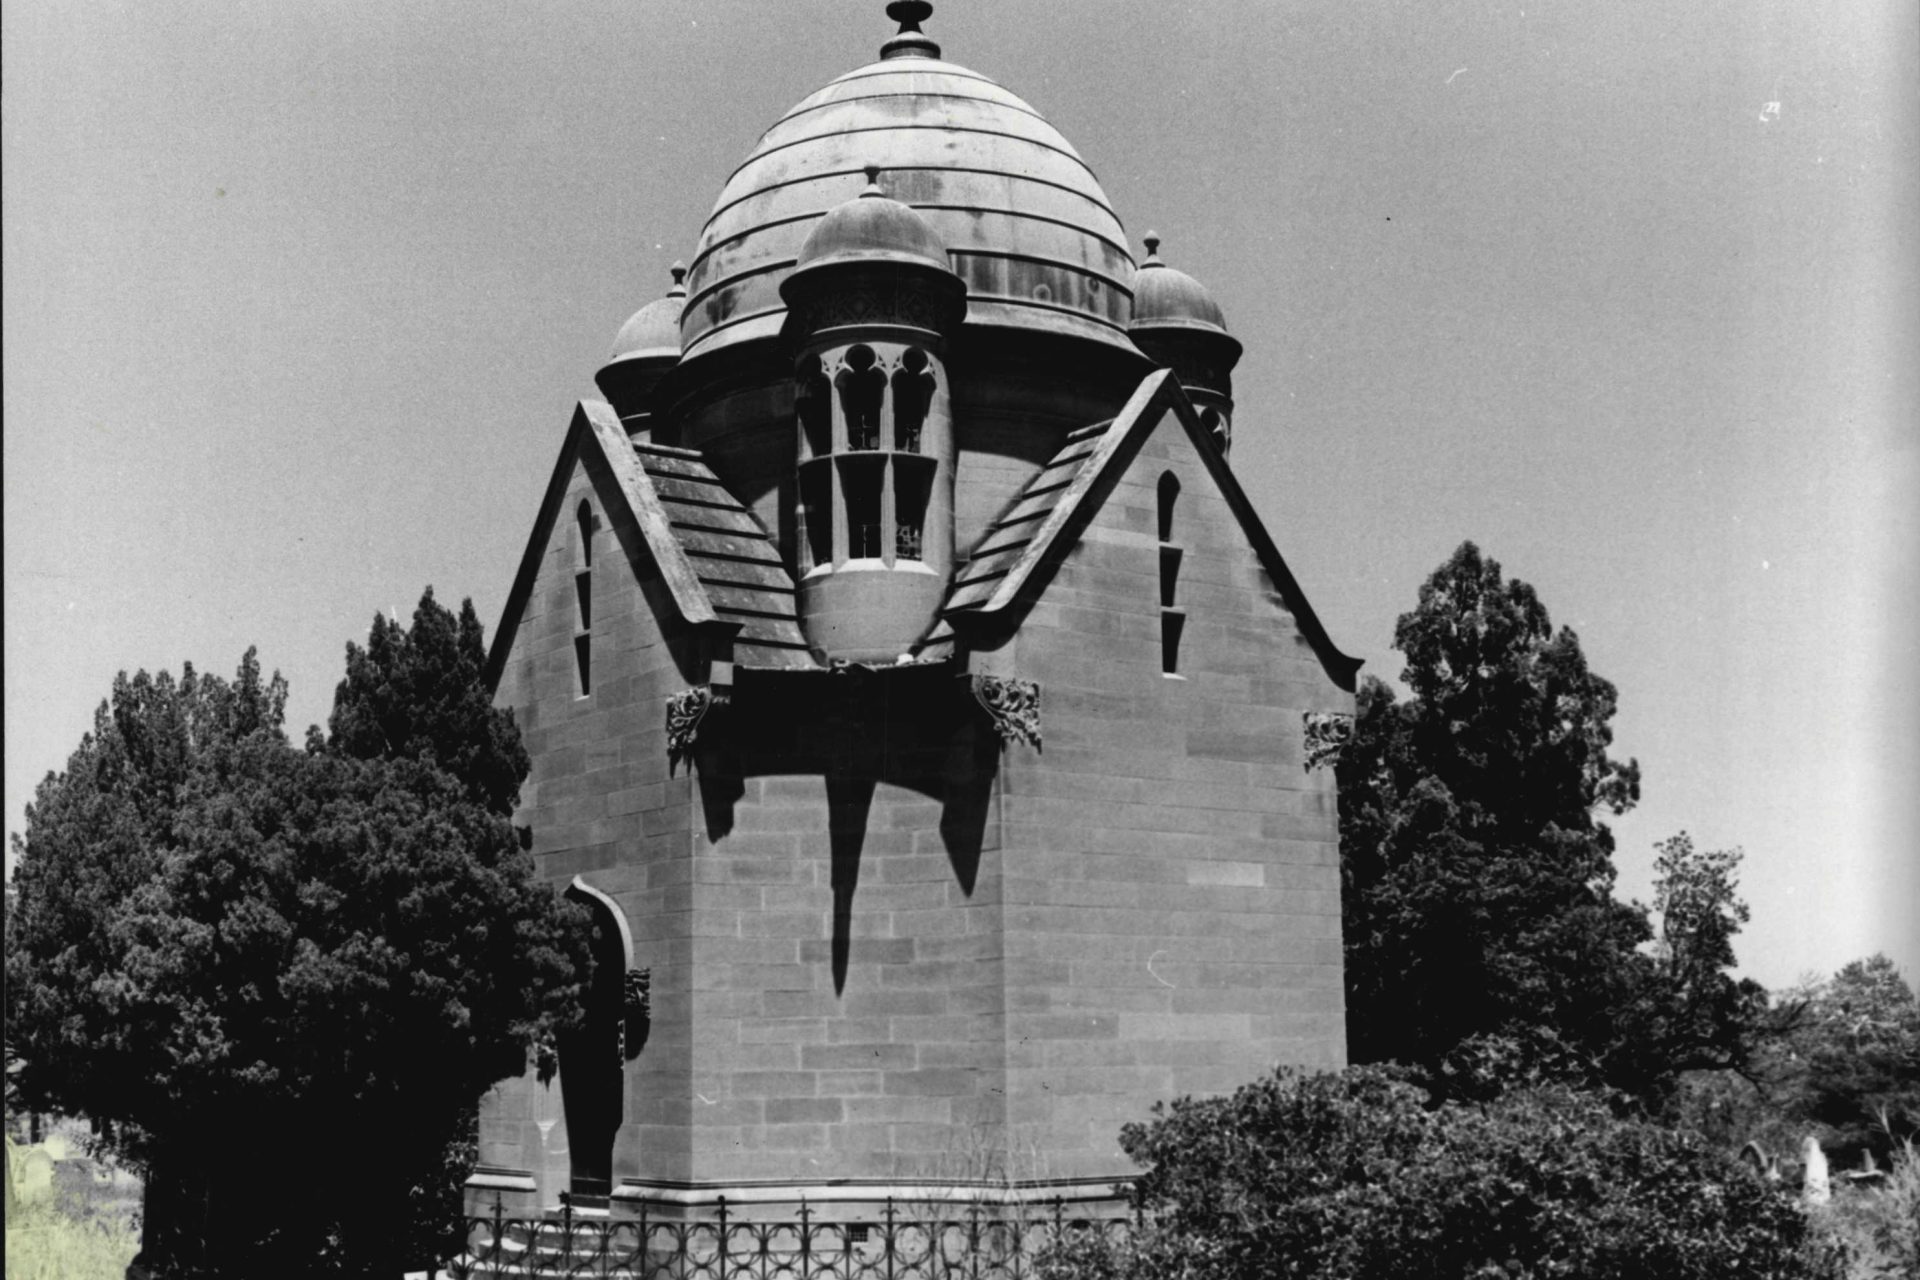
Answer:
(910, 41)
(1152, 241)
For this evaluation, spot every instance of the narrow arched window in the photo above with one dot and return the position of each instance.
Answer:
(913, 387)
(583, 599)
(862, 385)
(1173, 620)
(813, 405)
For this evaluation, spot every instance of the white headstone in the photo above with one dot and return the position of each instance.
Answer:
(1815, 1187)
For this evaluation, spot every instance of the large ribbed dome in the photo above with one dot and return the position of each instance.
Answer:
(1023, 217)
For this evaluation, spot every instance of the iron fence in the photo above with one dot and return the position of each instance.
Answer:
(905, 1243)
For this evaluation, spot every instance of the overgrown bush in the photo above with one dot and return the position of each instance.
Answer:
(1358, 1175)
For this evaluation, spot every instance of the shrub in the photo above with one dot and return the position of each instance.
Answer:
(1357, 1175)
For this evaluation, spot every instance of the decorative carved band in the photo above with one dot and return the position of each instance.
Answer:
(685, 712)
(1325, 734)
(1012, 705)
(896, 302)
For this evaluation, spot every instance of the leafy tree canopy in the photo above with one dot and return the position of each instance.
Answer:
(1686, 1011)
(1845, 1061)
(253, 960)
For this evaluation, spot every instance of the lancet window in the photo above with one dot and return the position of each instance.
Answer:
(1173, 619)
(583, 599)
(862, 387)
(913, 387)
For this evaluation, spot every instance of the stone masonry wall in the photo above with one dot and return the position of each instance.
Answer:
(1172, 879)
(847, 955)
(602, 805)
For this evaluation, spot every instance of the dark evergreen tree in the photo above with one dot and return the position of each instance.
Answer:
(421, 694)
(283, 978)
(1482, 936)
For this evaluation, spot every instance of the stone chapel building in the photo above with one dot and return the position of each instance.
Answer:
(912, 692)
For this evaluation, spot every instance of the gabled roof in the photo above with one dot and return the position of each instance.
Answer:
(718, 564)
(1018, 554)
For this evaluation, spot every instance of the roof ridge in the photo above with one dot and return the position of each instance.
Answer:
(669, 451)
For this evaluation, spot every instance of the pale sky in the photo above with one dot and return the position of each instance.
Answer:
(299, 296)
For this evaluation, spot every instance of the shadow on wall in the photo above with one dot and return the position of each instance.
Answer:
(914, 727)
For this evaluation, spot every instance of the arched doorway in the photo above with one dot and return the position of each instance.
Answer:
(592, 1059)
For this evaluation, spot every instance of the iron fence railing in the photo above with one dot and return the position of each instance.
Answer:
(906, 1242)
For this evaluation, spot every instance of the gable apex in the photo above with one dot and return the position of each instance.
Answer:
(1018, 555)
(595, 433)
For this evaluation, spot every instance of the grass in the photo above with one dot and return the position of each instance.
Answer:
(50, 1237)
(44, 1243)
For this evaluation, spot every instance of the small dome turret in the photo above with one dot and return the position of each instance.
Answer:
(1179, 325)
(1164, 297)
(647, 345)
(654, 330)
(871, 228)
(857, 245)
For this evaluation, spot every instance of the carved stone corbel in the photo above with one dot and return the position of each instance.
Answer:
(687, 710)
(637, 1012)
(1324, 734)
(1013, 706)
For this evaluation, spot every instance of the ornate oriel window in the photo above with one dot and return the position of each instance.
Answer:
(865, 484)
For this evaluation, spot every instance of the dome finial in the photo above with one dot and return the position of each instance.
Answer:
(1152, 240)
(679, 272)
(910, 42)
(873, 182)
